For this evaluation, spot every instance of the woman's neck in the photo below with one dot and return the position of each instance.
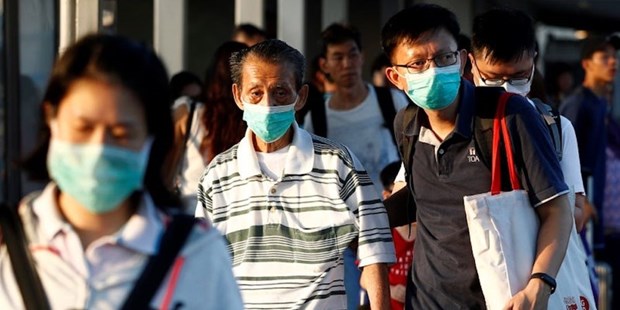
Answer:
(92, 226)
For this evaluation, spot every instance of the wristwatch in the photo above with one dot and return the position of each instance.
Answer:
(549, 280)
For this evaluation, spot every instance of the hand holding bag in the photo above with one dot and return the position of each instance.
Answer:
(503, 230)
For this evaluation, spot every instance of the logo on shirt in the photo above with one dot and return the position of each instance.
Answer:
(472, 157)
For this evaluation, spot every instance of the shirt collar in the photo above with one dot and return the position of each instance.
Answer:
(141, 232)
(299, 159)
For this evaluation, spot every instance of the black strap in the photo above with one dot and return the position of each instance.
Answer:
(319, 119)
(158, 265)
(551, 116)
(386, 104)
(26, 276)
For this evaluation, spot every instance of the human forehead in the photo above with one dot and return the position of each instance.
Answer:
(342, 47)
(429, 44)
(607, 51)
(257, 72)
(520, 66)
(101, 100)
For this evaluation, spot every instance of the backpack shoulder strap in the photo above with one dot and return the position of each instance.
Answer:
(388, 111)
(28, 281)
(158, 265)
(318, 115)
(406, 145)
(551, 117)
(398, 215)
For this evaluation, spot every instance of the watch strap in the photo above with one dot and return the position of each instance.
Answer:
(549, 280)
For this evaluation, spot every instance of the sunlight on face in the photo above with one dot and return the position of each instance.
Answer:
(98, 112)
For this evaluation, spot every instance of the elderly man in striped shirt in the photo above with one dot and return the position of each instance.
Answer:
(288, 202)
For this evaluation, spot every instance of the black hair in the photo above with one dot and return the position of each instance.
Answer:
(249, 30)
(337, 34)
(120, 61)
(271, 51)
(389, 173)
(180, 80)
(410, 24)
(503, 35)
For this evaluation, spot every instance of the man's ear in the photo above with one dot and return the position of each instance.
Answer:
(472, 60)
(585, 63)
(323, 65)
(49, 112)
(237, 95)
(395, 78)
(302, 97)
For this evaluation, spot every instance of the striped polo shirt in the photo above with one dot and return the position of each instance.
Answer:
(287, 236)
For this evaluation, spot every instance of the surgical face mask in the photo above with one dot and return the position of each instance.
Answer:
(269, 123)
(99, 176)
(435, 88)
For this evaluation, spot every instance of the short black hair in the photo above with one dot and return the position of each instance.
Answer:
(411, 23)
(180, 80)
(503, 35)
(338, 33)
(597, 43)
(389, 173)
(272, 51)
(249, 30)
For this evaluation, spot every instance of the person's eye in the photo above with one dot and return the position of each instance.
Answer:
(417, 64)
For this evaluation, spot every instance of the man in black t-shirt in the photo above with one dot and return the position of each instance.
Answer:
(446, 164)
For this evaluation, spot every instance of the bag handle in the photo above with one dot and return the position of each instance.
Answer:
(500, 130)
(33, 294)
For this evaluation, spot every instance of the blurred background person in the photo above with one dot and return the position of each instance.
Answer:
(463, 42)
(560, 82)
(215, 125)
(97, 222)
(248, 34)
(187, 84)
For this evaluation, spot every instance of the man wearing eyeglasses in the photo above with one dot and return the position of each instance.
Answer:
(444, 165)
(588, 110)
(503, 55)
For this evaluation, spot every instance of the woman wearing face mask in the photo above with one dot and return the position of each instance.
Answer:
(92, 229)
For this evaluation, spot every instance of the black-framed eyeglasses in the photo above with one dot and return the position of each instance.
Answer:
(441, 60)
(500, 82)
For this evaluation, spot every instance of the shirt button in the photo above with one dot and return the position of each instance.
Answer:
(273, 190)
(441, 151)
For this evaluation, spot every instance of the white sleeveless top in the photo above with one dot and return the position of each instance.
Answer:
(192, 162)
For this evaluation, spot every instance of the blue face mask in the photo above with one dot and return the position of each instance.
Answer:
(98, 176)
(269, 123)
(435, 88)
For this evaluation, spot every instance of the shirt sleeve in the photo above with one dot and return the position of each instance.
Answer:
(375, 237)
(534, 154)
(570, 157)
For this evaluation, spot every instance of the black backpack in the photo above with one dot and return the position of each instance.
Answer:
(386, 104)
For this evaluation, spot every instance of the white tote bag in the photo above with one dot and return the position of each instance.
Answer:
(503, 230)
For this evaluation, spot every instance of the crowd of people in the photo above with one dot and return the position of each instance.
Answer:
(319, 190)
